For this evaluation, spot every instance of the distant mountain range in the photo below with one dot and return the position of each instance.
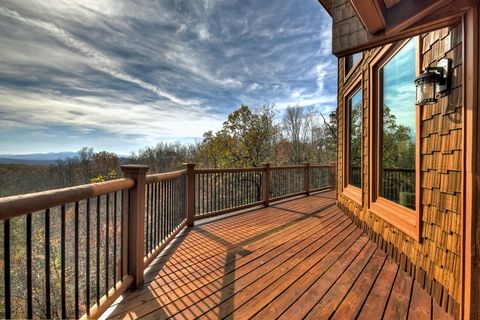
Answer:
(51, 156)
(35, 158)
(41, 158)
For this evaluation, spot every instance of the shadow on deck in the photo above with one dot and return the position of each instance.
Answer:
(298, 259)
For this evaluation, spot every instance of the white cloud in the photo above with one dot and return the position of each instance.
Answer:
(44, 109)
(97, 59)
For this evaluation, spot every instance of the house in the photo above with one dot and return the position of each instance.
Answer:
(407, 156)
(393, 234)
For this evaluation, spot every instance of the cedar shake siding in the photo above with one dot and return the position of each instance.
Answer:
(435, 260)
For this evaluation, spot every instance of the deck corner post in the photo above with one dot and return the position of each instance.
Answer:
(306, 178)
(266, 183)
(136, 216)
(190, 198)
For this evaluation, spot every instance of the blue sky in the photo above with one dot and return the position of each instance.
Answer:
(120, 75)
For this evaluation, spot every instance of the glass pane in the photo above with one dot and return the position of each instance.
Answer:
(355, 105)
(352, 60)
(397, 172)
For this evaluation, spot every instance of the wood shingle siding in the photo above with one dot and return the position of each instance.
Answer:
(435, 261)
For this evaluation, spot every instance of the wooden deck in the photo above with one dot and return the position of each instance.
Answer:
(298, 259)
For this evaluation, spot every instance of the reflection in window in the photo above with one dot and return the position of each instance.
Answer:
(355, 139)
(351, 60)
(397, 170)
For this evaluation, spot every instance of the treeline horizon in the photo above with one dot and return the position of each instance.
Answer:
(249, 137)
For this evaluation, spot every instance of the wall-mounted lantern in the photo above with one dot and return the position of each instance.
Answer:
(433, 82)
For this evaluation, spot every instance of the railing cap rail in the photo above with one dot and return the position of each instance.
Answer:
(152, 178)
(134, 168)
(14, 206)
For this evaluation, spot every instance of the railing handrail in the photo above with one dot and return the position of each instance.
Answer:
(399, 169)
(248, 169)
(19, 205)
(152, 178)
(385, 169)
(223, 170)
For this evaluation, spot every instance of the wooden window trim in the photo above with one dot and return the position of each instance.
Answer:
(350, 191)
(348, 74)
(471, 165)
(405, 219)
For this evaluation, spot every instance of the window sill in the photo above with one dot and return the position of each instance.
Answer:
(353, 193)
(399, 216)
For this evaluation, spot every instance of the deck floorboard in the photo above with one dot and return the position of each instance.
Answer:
(301, 258)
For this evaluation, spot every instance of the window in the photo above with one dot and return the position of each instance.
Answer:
(394, 164)
(351, 61)
(398, 122)
(355, 139)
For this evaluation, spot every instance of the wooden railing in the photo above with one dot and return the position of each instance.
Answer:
(398, 184)
(71, 252)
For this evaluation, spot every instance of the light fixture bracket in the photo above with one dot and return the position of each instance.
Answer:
(443, 69)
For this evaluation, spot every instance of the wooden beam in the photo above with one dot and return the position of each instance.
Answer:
(408, 12)
(405, 19)
(370, 14)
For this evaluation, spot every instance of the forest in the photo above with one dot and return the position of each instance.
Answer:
(249, 136)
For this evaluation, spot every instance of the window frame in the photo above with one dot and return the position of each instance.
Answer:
(407, 220)
(351, 191)
(348, 73)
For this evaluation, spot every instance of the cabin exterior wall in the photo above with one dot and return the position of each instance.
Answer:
(436, 260)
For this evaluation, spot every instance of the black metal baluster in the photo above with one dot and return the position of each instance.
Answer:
(160, 212)
(208, 198)
(115, 199)
(224, 191)
(175, 182)
(236, 188)
(98, 250)
(147, 214)
(230, 190)
(87, 257)
(152, 217)
(170, 197)
(107, 241)
(6, 258)
(157, 214)
(169, 218)
(76, 253)
(48, 313)
(29, 266)
(122, 230)
(62, 254)
(163, 209)
(177, 211)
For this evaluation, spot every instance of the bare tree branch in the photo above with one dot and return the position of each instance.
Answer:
(329, 126)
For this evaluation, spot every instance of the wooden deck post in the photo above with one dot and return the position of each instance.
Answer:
(190, 198)
(266, 183)
(136, 216)
(306, 178)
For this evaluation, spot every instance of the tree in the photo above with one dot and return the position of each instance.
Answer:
(246, 140)
(398, 143)
(66, 171)
(164, 156)
(85, 165)
(104, 166)
(297, 125)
